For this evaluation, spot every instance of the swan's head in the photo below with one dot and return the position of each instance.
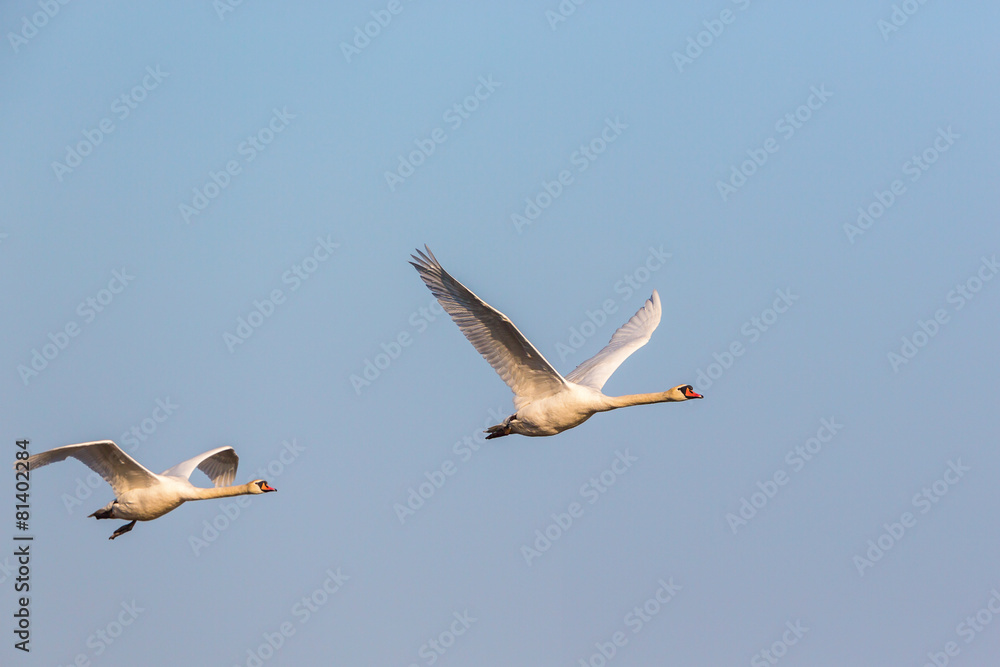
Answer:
(260, 486)
(682, 393)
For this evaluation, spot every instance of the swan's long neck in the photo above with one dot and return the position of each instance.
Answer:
(220, 492)
(639, 399)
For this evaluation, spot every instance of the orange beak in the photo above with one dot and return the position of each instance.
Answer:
(689, 393)
(267, 488)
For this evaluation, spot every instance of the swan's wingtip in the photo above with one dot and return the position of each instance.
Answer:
(427, 259)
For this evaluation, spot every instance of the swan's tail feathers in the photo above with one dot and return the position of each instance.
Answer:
(498, 431)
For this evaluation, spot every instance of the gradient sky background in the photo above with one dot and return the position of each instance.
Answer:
(358, 453)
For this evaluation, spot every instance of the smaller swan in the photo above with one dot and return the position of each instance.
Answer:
(142, 495)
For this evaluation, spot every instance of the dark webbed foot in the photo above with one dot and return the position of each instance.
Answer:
(500, 430)
(497, 431)
(121, 531)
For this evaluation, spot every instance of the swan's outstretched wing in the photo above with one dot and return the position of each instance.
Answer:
(219, 464)
(105, 458)
(511, 355)
(632, 335)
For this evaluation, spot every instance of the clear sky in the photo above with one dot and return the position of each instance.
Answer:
(206, 221)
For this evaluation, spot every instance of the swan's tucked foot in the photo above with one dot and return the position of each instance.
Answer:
(498, 431)
(124, 529)
(103, 513)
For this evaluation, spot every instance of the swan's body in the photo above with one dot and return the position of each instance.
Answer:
(141, 495)
(547, 403)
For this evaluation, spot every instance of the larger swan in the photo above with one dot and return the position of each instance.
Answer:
(142, 495)
(547, 403)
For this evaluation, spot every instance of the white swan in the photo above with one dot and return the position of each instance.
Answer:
(546, 402)
(142, 495)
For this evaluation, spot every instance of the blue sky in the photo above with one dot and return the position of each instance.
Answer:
(207, 218)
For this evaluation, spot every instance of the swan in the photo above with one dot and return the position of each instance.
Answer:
(142, 495)
(546, 402)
